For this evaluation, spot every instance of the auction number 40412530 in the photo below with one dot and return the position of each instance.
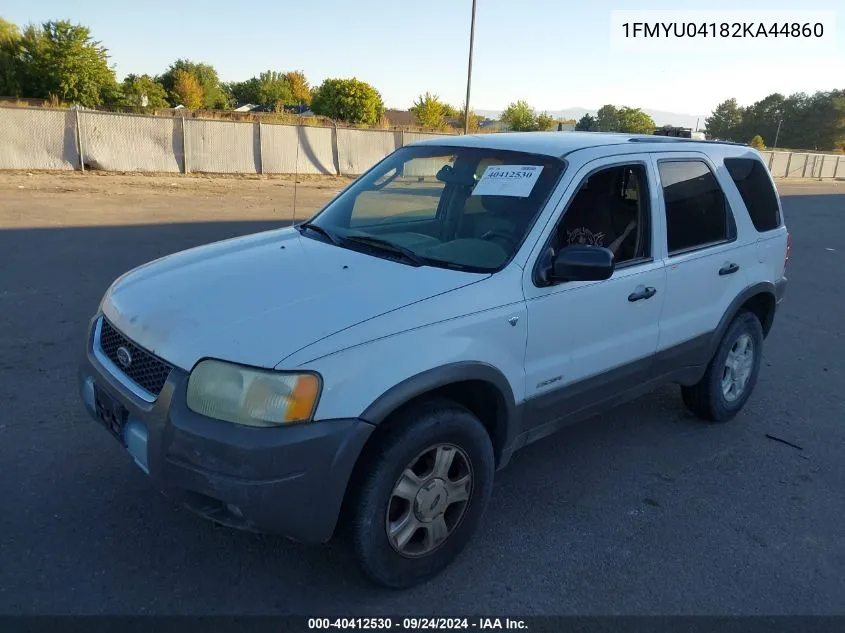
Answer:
(417, 624)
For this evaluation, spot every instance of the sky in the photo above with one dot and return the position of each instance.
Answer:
(555, 54)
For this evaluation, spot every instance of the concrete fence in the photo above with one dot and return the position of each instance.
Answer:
(84, 139)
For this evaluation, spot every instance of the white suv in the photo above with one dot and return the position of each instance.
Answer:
(371, 368)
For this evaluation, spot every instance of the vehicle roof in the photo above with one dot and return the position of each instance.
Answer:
(562, 143)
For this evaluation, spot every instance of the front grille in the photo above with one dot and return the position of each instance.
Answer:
(145, 369)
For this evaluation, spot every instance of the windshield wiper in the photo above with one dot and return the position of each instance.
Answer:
(387, 245)
(319, 229)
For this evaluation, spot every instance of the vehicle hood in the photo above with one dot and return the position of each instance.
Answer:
(259, 298)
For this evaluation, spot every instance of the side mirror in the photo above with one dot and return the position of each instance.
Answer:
(583, 263)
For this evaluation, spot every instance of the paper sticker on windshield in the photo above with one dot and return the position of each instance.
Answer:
(508, 180)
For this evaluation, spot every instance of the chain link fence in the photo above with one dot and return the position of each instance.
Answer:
(41, 138)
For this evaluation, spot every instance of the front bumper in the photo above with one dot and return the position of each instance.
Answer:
(289, 481)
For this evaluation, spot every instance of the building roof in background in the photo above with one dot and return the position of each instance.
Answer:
(401, 117)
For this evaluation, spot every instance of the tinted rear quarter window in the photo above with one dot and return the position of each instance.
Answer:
(758, 194)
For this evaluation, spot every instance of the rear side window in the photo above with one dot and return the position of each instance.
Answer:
(758, 194)
(697, 212)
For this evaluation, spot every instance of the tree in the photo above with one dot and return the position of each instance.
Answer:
(725, 121)
(143, 92)
(451, 112)
(60, 60)
(214, 96)
(430, 111)
(545, 121)
(10, 51)
(348, 100)
(587, 123)
(757, 142)
(273, 89)
(474, 119)
(762, 117)
(9, 31)
(634, 121)
(520, 117)
(244, 91)
(607, 119)
(187, 90)
(299, 87)
(799, 121)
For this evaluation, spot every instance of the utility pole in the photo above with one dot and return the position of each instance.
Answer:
(469, 69)
(777, 134)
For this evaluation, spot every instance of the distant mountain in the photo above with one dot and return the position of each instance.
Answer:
(660, 117)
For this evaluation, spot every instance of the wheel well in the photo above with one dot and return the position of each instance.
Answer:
(481, 398)
(762, 305)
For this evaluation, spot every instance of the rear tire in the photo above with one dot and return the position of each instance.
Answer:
(731, 374)
(422, 495)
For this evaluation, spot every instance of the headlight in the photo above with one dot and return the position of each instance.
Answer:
(252, 397)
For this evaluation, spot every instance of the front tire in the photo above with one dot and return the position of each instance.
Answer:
(422, 494)
(732, 373)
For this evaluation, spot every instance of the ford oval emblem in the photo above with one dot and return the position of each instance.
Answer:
(124, 357)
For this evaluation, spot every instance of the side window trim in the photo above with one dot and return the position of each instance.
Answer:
(730, 218)
(652, 185)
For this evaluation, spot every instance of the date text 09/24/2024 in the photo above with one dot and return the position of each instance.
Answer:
(416, 624)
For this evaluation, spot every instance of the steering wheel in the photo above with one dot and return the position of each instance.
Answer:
(501, 234)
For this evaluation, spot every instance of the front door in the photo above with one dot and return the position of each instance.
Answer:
(587, 341)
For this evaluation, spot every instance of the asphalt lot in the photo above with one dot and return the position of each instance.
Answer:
(641, 511)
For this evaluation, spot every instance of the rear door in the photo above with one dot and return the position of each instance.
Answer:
(760, 200)
(707, 255)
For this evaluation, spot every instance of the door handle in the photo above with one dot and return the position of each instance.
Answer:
(728, 269)
(642, 293)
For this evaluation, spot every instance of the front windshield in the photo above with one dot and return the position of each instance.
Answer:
(458, 207)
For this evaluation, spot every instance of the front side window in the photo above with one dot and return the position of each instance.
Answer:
(454, 207)
(610, 209)
(697, 212)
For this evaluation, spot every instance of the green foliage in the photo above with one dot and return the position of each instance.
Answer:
(10, 51)
(430, 111)
(757, 142)
(546, 122)
(57, 60)
(272, 88)
(587, 123)
(187, 90)
(474, 119)
(244, 91)
(348, 100)
(9, 32)
(451, 112)
(142, 91)
(814, 122)
(609, 118)
(635, 121)
(725, 120)
(520, 117)
(214, 96)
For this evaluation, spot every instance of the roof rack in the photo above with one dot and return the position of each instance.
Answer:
(676, 139)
